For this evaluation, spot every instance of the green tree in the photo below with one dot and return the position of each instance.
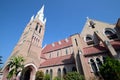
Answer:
(73, 76)
(46, 77)
(15, 65)
(110, 70)
(56, 78)
(39, 75)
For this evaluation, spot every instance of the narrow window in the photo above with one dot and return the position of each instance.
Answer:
(64, 72)
(51, 74)
(46, 71)
(93, 65)
(59, 73)
(66, 51)
(104, 59)
(50, 55)
(57, 53)
(99, 62)
(36, 27)
(40, 30)
(76, 42)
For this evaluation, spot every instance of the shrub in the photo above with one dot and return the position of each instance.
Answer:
(47, 77)
(57, 78)
(110, 70)
(73, 76)
(39, 75)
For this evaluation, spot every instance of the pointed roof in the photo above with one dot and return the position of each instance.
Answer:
(40, 15)
(41, 11)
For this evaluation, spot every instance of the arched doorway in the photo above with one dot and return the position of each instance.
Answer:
(28, 72)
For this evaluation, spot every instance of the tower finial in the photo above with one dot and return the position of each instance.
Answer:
(41, 11)
(40, 14)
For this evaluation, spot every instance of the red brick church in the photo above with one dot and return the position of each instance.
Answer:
(84, 52)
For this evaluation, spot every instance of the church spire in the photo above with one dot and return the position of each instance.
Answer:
(40, 15)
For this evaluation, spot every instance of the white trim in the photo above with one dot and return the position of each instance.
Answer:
(31, 64)
(88, 35)
(66, 40)
(91, 70)
(109, 29)
(53, 45)
(59, 42)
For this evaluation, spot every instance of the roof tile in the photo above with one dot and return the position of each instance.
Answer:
(67, 59)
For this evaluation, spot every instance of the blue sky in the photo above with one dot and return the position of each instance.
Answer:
(64, 18)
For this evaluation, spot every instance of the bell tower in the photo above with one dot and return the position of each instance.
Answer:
(29, 45)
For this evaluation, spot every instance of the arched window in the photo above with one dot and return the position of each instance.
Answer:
(64, 72)
(66, 51)
(104, 59)
(110, 33)
(93, 65)
(74, 69)
(89, 39)
(51, 74)
(99, 62)
(47, 72)
(76, 42)
(57, 53)
(59, 73)
(49, 55)
(40, 30)
(36, 26)
(32, 39)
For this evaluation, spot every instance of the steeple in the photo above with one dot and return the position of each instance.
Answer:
(40, 15)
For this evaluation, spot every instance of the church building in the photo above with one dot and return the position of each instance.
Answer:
(84, 52)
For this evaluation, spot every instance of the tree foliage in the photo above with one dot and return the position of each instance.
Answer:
(15, 65)
(46, 77)
(73, 76)
(56, 78)
(110, 70)
(39, 75)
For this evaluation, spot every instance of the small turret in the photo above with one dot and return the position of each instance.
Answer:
(32, 18)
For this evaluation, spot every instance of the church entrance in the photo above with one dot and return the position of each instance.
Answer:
(27, 74)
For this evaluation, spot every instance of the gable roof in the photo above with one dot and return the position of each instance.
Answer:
(100, 48)
(67, 59)
(57, 45)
